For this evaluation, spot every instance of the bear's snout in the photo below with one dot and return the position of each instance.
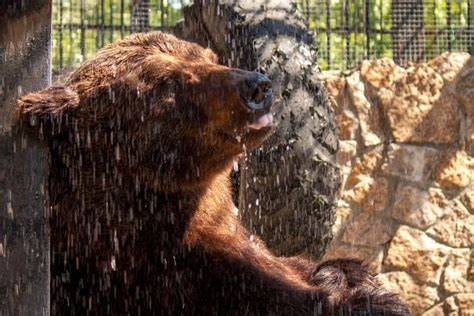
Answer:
(255, 89)
(259, 101)
(261, 95)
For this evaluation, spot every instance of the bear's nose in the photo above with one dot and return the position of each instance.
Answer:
(261, 95)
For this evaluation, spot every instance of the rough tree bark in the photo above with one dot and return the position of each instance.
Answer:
(25, 33)
(288, 186)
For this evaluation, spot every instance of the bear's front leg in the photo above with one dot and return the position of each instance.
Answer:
(249, 284)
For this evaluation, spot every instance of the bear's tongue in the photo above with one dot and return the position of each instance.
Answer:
(263, 121)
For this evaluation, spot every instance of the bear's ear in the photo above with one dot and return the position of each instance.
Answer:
(211, 55)
(45, 111)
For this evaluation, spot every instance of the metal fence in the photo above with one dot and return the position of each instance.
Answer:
(347, 31)
(80, 27)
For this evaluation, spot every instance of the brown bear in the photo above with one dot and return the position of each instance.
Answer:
(142, 139)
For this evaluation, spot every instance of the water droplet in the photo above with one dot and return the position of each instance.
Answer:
(235, 166)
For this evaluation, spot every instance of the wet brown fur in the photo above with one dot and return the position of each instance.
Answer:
(142, 139)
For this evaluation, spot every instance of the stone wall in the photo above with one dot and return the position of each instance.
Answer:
(406, 204)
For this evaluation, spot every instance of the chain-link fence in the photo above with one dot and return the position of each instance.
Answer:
(347, 31)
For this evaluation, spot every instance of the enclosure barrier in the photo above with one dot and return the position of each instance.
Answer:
(346, 31)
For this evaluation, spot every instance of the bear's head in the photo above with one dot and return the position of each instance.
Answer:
(155, 110)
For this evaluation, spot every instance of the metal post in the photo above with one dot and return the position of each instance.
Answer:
(162, 10)
(448, 25)
(122, 20)
(308, 12)
(328, 32)
(83, 28)
(367, 28)
(111, 21)
(470, 25)
(347, 33)
(61, 25)
(102, 23)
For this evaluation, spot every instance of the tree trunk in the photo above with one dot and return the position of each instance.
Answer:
(288, 186)
(25, 54)
(408, 31)
(140, 16)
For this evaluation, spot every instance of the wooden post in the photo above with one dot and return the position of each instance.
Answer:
(287, 187)
(25, 55)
